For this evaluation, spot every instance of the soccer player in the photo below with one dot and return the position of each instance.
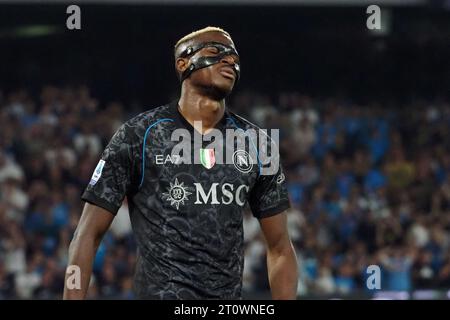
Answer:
(187, 217)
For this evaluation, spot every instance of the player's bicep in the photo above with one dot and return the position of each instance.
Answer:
(275, 231)
(94, 222)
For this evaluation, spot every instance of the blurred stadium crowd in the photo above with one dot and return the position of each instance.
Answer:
(369, 184)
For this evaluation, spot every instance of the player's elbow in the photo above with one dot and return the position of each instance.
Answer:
(281, 247)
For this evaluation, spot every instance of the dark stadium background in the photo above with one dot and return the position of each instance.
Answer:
(125, 52)
(394, 84)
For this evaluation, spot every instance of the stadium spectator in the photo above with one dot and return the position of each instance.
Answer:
(368, 185)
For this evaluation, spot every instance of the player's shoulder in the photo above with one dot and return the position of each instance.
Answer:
(241, 122)
(137, 125)
(150, 116)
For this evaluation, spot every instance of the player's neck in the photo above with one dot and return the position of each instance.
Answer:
(196, 107)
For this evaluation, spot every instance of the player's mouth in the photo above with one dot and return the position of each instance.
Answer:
(227, 72)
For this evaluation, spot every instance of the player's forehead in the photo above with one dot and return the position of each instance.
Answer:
(213, 36)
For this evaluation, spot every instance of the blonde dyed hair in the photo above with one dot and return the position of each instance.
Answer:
(194, 34)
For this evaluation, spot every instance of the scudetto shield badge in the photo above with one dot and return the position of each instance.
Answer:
(207, 158)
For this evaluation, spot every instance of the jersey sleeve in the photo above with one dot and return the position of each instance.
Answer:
(269, 195)
(111, 179)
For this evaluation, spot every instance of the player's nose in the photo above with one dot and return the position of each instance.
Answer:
(229, 59)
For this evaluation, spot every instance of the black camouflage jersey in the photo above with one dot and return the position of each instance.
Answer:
(187, 218)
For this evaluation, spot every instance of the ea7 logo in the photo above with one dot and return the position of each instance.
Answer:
(374, 280)
(173, 159)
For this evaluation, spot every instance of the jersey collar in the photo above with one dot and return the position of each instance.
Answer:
(181, 122)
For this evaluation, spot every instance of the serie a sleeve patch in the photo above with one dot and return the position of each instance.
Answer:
(97, 172)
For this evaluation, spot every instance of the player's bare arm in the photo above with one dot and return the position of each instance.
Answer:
(281, 260)
(94, 222)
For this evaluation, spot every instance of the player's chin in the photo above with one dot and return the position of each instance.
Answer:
(223, 86)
